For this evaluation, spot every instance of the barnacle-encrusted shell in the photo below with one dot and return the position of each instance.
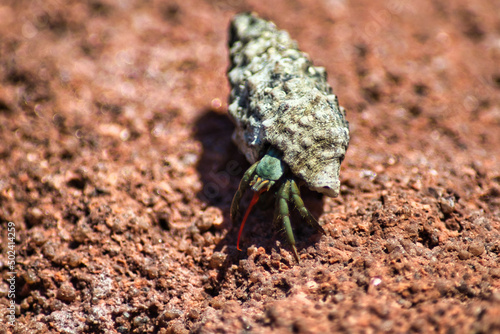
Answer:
(280, 99)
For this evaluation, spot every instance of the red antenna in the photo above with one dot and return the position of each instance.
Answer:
(255, 198)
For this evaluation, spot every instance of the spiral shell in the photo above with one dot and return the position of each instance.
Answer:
(279, 99)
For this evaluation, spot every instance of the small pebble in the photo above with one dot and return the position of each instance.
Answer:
(495, 273)
(33, 217)
(66, 292)
(476, 248)
(31, 277)
(447, 204)
(211, 217)
(193, 314)
(171, 314)
(140, 320)
(217, 260)
(464, 255)
(49, 250)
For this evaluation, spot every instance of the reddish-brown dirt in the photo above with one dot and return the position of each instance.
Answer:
(118, 170)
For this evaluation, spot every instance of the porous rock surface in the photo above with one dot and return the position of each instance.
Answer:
(118, 170)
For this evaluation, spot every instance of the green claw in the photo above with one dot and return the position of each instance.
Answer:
(244, 184)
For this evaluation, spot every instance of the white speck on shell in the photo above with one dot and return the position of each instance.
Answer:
(305, 120)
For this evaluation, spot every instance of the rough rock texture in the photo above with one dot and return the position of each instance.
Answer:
(279, 99)
(118, 169)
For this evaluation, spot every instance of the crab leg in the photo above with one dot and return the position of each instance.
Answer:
(284, 213)
(299, 205)
(244, 184)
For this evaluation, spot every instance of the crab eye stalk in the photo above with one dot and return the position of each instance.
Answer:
(259, 184)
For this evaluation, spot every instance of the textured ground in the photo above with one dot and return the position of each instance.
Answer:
(117, 168)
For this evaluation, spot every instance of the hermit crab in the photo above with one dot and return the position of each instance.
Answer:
(287, 122)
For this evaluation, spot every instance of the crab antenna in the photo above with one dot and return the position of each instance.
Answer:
(255, 198)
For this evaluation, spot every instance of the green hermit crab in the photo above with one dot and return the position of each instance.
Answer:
(288, 123)
(261, 177)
